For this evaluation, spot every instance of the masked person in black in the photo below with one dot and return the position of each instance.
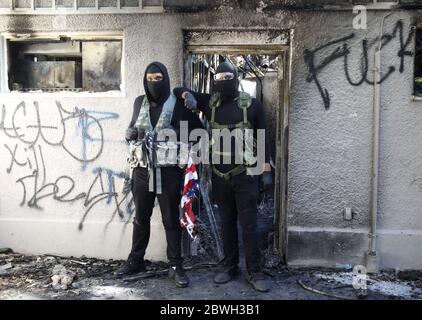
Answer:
(234, 191)
(154, 176)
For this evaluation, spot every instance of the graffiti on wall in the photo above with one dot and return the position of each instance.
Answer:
(317, 60)
(27, 136)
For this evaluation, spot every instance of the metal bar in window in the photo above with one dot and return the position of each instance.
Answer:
(118, 4)
(33, 4)
(97, 5)
(53, 3)
(75, 4)
(12, 4)
(141, 4)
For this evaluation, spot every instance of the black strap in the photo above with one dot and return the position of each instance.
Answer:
(136, 109)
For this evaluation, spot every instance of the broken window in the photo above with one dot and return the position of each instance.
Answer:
(418, 63)
(64, 64)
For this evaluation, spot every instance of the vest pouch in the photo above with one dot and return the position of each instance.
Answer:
(137, 156)
(166, 148)
(159, 150)
(166, 153)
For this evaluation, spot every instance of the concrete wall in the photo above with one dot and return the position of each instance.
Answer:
(330, 144)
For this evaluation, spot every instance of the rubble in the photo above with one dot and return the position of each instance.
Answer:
(54, 277)
(62, 278)
(5, 267)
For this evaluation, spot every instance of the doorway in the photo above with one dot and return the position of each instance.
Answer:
(262, 60)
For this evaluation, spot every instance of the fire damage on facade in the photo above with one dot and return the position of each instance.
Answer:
(343, 110)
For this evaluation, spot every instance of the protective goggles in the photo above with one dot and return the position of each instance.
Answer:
(223, 76)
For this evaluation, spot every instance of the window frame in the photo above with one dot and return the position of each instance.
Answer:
(81, 36)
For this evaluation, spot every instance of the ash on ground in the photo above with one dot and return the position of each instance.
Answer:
(67, 278)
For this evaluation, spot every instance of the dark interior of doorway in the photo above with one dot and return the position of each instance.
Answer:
(258, 75)
(418, 63)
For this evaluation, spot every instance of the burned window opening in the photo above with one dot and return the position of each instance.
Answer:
(418, 63)
(64, 65)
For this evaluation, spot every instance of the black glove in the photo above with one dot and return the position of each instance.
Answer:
(131, 134)
(266, 181)
(190, 102)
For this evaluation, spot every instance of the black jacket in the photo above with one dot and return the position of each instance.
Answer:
(230, 113)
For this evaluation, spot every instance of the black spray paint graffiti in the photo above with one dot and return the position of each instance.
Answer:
(110, 195)
(343, 50)
(42, 189)
(36, 185)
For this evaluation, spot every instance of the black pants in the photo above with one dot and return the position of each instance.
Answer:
(168, 200)
(237, 199)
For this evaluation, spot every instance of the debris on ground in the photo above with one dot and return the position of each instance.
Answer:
(54, 277)
(61, 278)
(5, 267)
(70, 278)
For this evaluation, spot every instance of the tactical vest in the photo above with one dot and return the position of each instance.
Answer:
(150, 152)
(244, 101)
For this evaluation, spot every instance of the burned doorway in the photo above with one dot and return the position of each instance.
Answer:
(262, 60)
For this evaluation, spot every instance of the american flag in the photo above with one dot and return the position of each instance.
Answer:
(190, 191)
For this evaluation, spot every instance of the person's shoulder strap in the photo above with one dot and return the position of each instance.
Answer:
(215, 102)
(244, 102)
(166, 115)
(170, 103)
(136, 109)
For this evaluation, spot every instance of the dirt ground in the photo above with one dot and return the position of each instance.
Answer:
(51, 277)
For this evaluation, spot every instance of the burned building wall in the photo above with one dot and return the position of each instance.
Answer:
(330, 133)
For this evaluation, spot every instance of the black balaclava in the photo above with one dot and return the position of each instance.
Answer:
(228, 89)
(157, 92)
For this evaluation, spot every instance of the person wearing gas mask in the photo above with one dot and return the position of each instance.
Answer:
(234, 190)
(154, 176)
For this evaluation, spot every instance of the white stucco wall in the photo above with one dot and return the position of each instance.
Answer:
(330, 149)
(93, 124)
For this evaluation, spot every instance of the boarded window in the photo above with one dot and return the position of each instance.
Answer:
(64, 65)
